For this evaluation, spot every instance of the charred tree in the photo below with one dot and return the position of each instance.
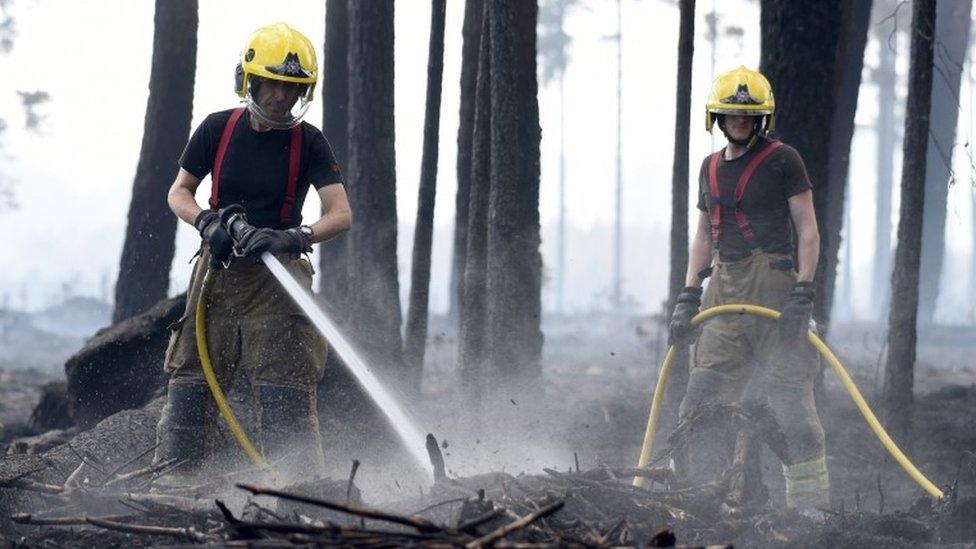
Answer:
(553, 48)
(885, 78)
(514, 262)
(799, 50)
(334, 254)
(471, 43)
(616, 292)
(416, 330)
(374, 307)
(855, 19)
(679, 167)
(900, 366)
(679, 192)
(473, 306)
(952, 22)
(150, 234)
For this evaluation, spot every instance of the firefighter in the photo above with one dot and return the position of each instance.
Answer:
(263, 157)
(755, 200)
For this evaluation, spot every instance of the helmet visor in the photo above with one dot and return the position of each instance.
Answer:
(278, 105)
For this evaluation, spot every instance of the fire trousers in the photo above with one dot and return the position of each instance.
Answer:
(727, 355)
(255, 334)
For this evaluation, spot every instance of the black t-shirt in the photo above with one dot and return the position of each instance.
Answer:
(765, 201)
(254, 172)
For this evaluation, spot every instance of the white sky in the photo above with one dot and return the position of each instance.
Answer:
(75, 177)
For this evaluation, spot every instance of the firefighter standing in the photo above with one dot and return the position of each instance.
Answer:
(753, 194)
(263, 157)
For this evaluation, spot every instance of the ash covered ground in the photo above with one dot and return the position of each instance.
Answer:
(567, 444)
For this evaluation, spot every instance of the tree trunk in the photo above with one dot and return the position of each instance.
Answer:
(375, 299)
(885, 78)
(334, 254)
(618, 213)
(514, 261)
(679, 194)
(972, 258)
(856, 17)
(473, 306)
(679, 168)
(147, 254)
(561, 236)
(900, 367)
(471, 36)
(952, 23)
(799, 50)
(416, 331)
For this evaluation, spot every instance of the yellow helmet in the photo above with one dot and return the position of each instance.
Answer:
(741, 91)
(277, 52)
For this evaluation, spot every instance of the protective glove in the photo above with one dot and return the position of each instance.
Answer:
(794, 319)
(263, 240)
(680, 331)
(218, 240)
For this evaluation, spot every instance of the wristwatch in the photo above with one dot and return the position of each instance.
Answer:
(307, 232)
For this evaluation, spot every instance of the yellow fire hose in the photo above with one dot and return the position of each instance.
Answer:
(814, 339)
(208, 372)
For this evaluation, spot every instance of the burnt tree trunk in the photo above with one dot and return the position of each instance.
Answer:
(900, 366)
(799, 49)
(150, 234)
(679, 167)
(471, 36)
(885, 78)
(514, 261)
(679, 194)
(856, 17)
(416, 330)
(952, 23)
(375, 296)
(473, 306)
(334, 254)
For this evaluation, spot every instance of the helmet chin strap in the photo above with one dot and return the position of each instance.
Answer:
(754, 133)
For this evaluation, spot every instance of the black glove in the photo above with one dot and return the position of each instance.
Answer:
(794, 320)
(680, 331)
(218, 240)
(259, 241)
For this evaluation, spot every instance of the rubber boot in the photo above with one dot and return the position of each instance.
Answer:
(704, 438)
(289, 432)
(180, 432)
(808, 486)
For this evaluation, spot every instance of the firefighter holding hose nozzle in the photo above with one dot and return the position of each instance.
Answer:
(263, 157)
(755, 200)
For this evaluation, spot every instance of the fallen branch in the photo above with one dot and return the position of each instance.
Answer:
(470, 525)
(515, 526)
(27, 518)
(420, 524)
(189, 533)
(32, 486)
(140, 472)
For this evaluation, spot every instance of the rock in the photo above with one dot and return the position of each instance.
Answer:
(41, 443)
(114, 441)
(52, 411)
(121, 367)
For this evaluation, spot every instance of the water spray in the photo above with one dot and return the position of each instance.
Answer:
(237, 225)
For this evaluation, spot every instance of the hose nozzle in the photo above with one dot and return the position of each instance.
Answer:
(233, 219)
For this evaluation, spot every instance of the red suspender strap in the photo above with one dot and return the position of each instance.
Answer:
(219, 159)
(294, 164)
(715, 212)
(740, 216)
